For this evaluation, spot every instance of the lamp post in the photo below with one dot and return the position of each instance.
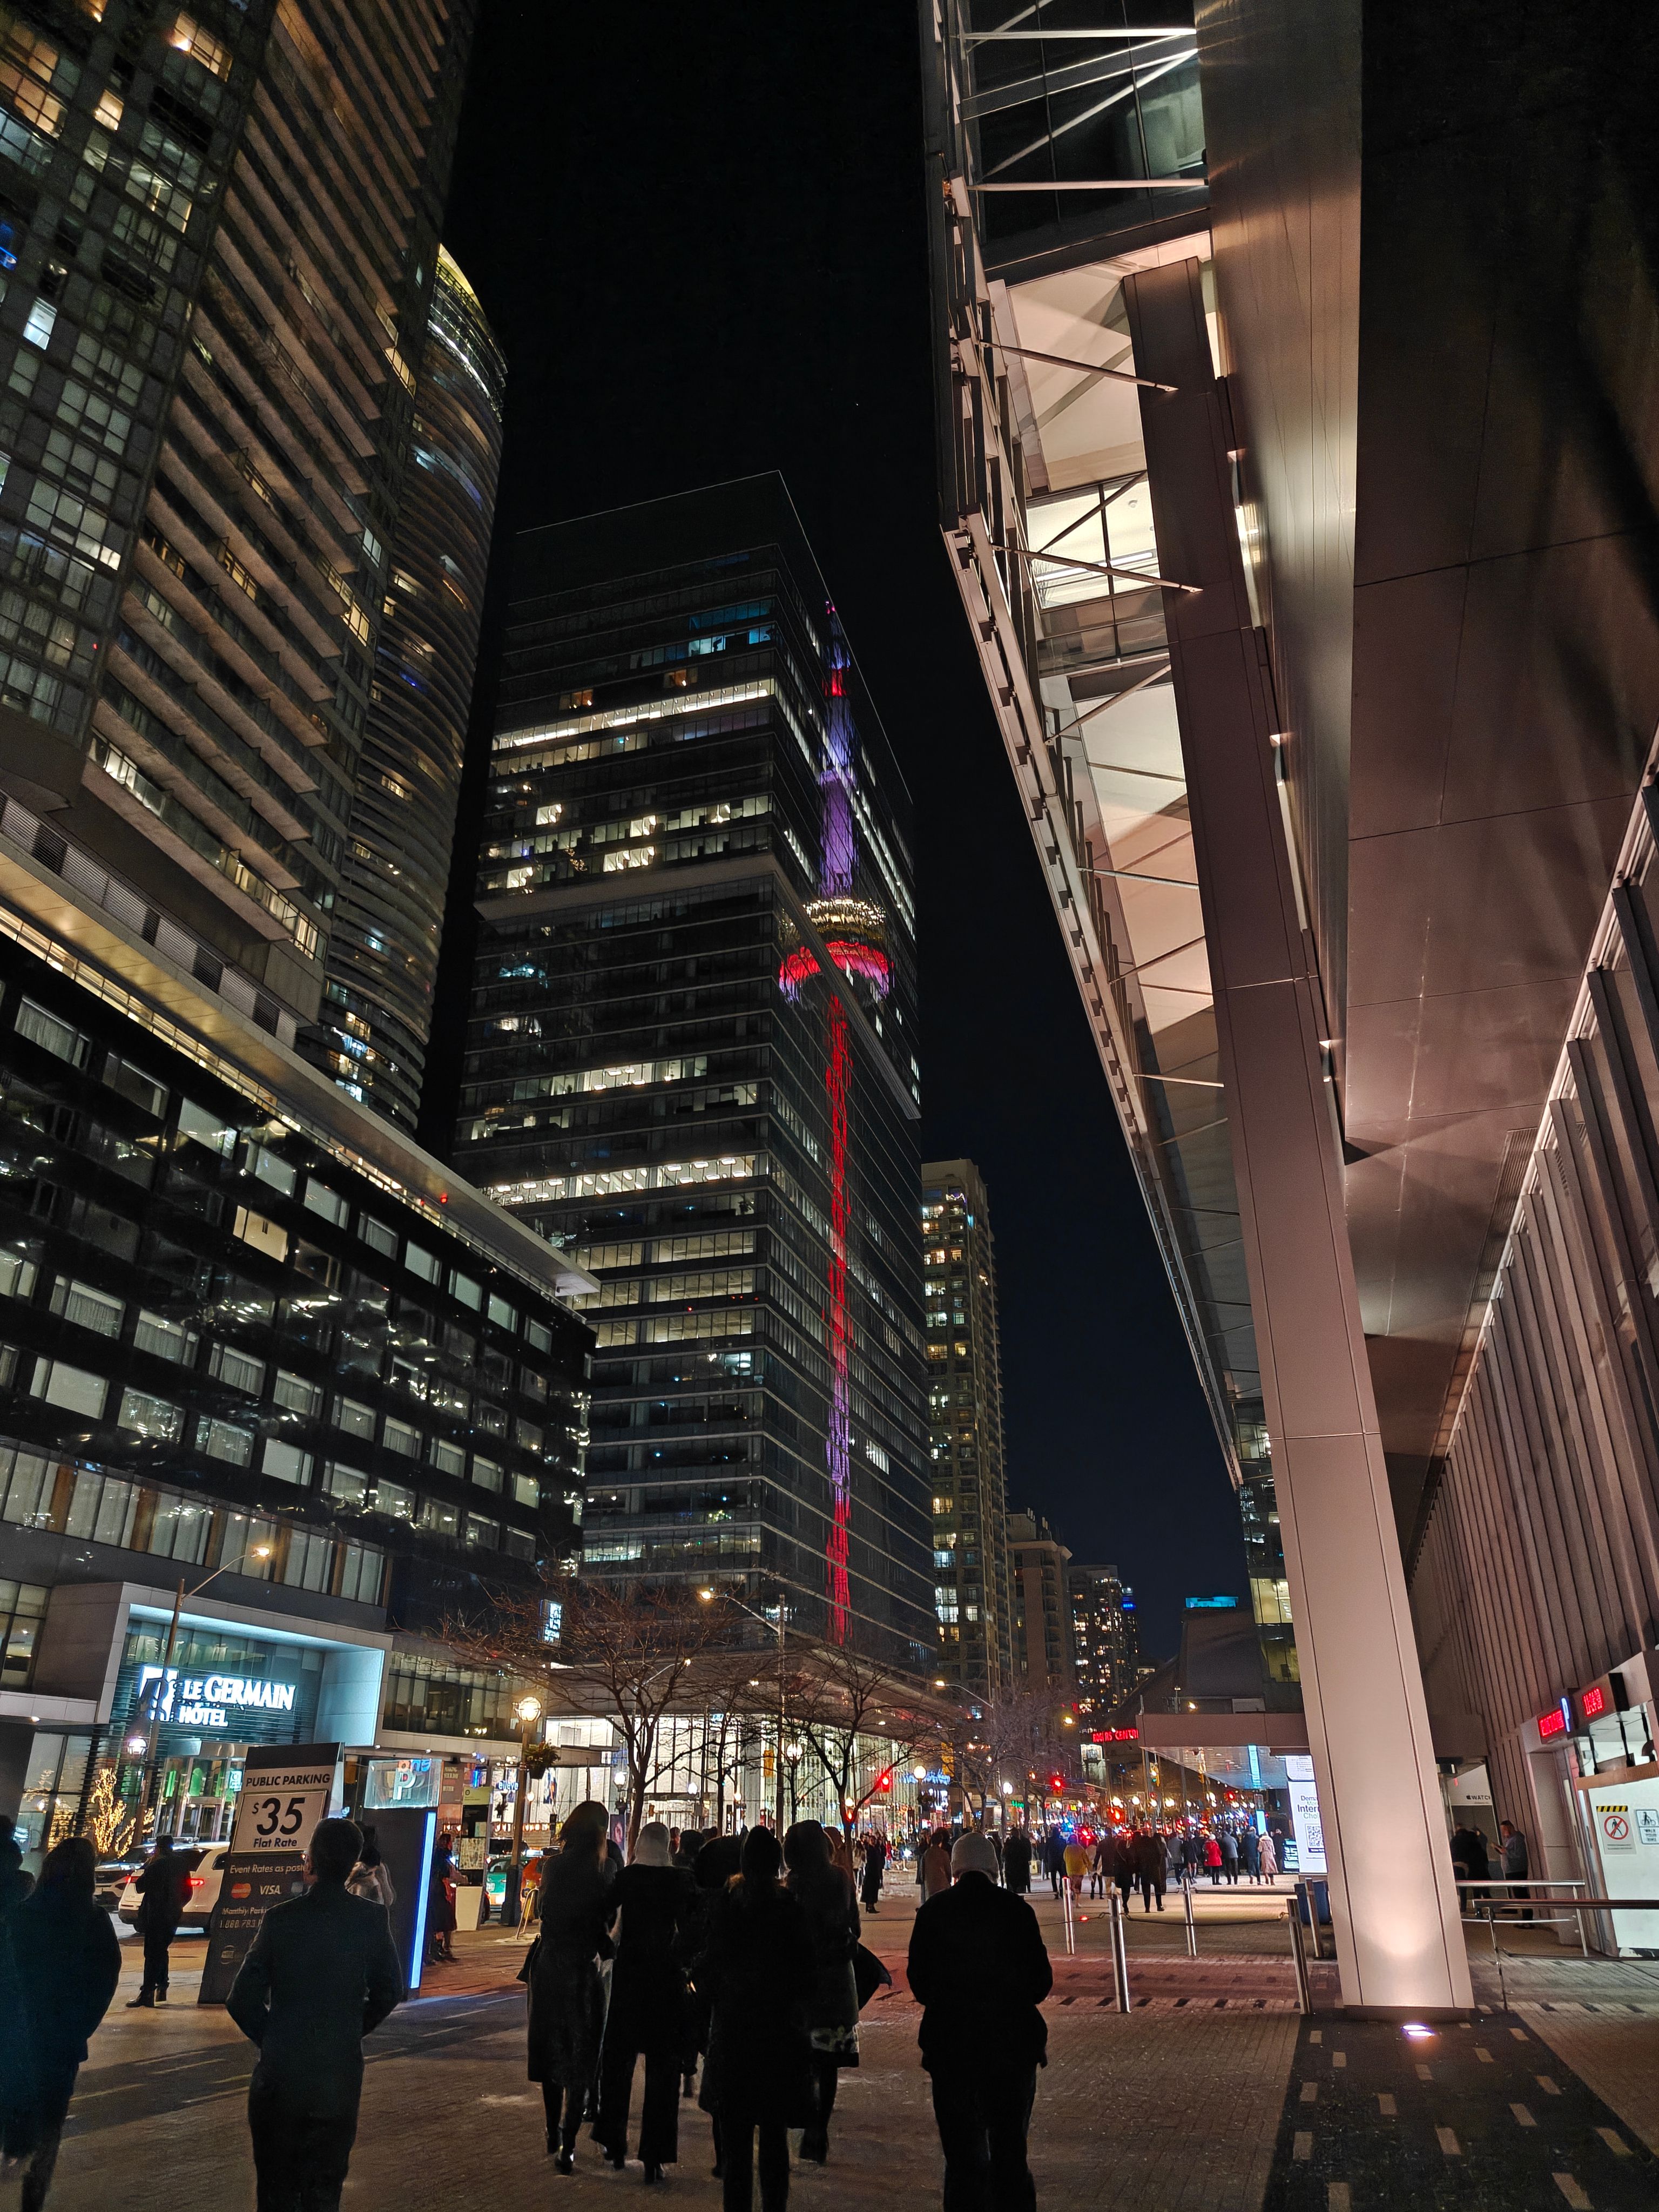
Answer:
(792, 1753)
(527, 1711)
(777, 1626)
(147, 1794)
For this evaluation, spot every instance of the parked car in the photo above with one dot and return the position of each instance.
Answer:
(111, 1878)
(207, 1873)
(495, 1876)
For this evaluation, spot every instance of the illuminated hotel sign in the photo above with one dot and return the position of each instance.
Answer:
(208, 1700)
(1116, 1735)
(1556, 1721)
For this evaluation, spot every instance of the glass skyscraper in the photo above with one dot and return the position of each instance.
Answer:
(692, 1060)
(971, 1588)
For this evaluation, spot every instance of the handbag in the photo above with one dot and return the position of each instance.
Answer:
(868, 1974)
(530, 1958)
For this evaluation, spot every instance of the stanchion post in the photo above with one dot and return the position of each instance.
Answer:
(1119, 1955)
(1299, 1953)
(1192, 1924)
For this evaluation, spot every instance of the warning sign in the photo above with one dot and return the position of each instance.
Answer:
(1616, 1828)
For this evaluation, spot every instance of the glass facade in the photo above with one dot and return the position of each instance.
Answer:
(971, 1589)
(1047, 510)
(1105, 1637)
(383, 951)
(230, 1342)
(1044, 1657)
(691, 1062)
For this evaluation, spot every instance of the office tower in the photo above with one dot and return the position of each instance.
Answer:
(1105, 1636)
(964, 1413)
(1045, 1653)
(388, 920)
(1355, 872)
(691, 1063)
(253, 1342)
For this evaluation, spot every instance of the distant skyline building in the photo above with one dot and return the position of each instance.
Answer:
(388, 922)
(1045, 1653)
(691, 1058)
(971, 1588)
(1105, 1636)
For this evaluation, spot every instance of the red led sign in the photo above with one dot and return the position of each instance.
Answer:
(1116, 1735)
(1554, 1723)
(1593, 1701)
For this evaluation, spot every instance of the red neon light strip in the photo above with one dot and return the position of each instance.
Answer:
(838, 1081)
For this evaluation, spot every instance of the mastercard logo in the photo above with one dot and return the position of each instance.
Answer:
(241, 1889)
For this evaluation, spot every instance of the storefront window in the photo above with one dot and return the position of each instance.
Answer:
(23, 1609)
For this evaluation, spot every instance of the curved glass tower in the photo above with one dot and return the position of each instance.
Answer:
(383, 953)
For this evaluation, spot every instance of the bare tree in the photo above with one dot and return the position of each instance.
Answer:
(1012, 1734)
(629, 1653)
(840, 1698)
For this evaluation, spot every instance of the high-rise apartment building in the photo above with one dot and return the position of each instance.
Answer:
(1105, 1636)
(1045, 1655)
(383, 948)
(691, 1061)
(971, 1591)
(252, 1337)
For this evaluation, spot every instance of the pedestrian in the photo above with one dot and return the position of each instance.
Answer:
(1123, 1866)
(1192, 1854)
(1469, 1858)
(1077, 1864)
(60, 1970)
(163, 1888)
(1249, 1845)
(996, 1846)
(14, 1884)
(1100, 1864)
(1266, 1852)
(321, 1975)
(1212, 1860)
(648, 1906)
(978, 1968)
(875, 1863)
(756, 1970)
(824, 1894)
(567, 1996)
(936, 1864)
(1228, 1842)
(371, 1877)
(716, 1863)
(1054, 1858)
(841, 1852)
(1512, 1857)
(1016, 1863)
(440, 1899)
(1149, 1868)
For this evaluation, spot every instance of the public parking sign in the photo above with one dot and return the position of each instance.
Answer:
(286, 1789)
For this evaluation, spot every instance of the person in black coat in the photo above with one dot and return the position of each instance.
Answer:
(1149, 1862)
(757, 1970)
(60, 1972)
(875, 1865)
(1016, 1863)
(567, 1996)
(649, 1904)
(826, 1895)
(979, 1968)
(321, 1975)
(163, 1888)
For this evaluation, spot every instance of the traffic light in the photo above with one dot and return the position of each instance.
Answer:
(884, 1780)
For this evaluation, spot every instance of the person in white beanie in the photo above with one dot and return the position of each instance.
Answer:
(979, 1970)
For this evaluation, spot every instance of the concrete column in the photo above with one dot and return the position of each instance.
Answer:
(17, 1741)
(1394, 1905)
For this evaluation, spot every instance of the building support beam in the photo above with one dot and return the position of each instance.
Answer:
(1400, 1942)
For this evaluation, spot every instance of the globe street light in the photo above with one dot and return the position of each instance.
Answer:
(526, 1712)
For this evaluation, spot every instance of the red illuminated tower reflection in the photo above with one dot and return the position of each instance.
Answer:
(854, 933)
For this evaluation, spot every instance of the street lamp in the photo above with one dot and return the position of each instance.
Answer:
(791, 1752)
(527, 1712)
(778, 1628)
(147, 1793)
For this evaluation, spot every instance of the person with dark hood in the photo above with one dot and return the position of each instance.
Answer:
(648, 1905)
(321, 1974)
(979, 1969)
(162, 1889)
(567, 1996)
(1016, 1863)
(62, 1966)
(875, 1865)
(757, 1969)
(1054, 1858)
(825, 1892)
(714, 1865)
(372, 1877)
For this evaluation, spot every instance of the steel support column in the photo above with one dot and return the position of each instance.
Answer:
(1400, 1945)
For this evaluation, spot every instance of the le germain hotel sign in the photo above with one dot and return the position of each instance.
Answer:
(207, 1700)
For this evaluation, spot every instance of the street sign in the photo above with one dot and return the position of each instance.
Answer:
(286, 1790)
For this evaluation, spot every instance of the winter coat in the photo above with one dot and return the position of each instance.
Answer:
(1266, 1852)
(979, 1969)
(162, 1889)
(1149, 1858)
(374, 1883)
(935, 1870)
(1192, 1851)
(567, 1997)
(1249, 1845)
(322, 1974)
(439, 1906)
(648, 1981)
(1212, 1853)
(1512, 1856)
(1228, 1850)
(832, 1921)
(1053, 1852)
(1077, 1862)
(60, 1972)
(1016, 1863)
(757, 1970)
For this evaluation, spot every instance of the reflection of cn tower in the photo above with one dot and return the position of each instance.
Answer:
(854, 934)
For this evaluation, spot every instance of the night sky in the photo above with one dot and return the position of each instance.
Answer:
(698, 234)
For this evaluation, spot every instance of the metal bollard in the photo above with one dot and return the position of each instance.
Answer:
(1067, 1914)
(1192, 1925)
(1298, 1955)
(1119, 1955)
